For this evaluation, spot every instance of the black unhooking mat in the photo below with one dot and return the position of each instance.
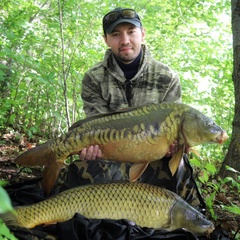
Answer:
(81, 228)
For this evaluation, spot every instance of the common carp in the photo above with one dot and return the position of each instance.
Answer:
(144, 204)
(137, 135)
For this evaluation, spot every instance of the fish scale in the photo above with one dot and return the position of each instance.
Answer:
(146, 205)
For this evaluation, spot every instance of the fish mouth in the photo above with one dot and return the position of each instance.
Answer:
(223, 137)
(209, 230)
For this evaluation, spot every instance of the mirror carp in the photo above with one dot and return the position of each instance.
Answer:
(136, 135)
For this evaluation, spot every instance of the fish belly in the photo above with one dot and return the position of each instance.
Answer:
(135, 151)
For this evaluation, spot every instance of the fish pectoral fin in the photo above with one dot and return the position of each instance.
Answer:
(49, 223)
(196, 152)
(136, 171)
(50, 175)
(175, 160)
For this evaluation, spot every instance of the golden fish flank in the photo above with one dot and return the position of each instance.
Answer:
(139, 135)
(146, 205)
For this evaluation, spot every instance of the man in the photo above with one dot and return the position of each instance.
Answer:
(130, 76)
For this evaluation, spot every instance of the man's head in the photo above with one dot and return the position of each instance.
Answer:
(123, 33)
(120, 15)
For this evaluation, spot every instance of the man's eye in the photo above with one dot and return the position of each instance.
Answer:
(115, 34)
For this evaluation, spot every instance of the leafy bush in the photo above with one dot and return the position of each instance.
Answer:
(5, 206)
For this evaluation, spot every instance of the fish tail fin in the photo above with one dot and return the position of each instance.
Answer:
(37, 156)
(10, 218)
(42, 155)
(50, 175)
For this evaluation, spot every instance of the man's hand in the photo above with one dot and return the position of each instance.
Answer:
(91, 153)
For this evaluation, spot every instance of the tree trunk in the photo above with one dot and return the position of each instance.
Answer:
(232, 158)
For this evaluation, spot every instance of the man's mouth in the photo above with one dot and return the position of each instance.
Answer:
(125, 49)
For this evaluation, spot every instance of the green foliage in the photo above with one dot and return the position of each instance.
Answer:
(233, 209)
(235, 186)
(5, 206)
(42, 59)
(5, 233)
(211, 188)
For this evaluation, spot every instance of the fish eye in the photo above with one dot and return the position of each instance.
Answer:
(198, 217)
(210, 124)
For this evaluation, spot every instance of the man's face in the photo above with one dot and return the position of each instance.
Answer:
(125, 41)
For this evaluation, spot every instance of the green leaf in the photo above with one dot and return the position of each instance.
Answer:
(233, 209)
(211, 168)
(232, 169)
(6, 204)
(5, 233)
(195, 162)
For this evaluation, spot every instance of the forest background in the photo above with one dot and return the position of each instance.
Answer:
(47, 46)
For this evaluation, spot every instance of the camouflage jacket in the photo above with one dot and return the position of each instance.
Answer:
(104, 85)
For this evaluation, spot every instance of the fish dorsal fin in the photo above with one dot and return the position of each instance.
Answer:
(136, 171)
(176, 159)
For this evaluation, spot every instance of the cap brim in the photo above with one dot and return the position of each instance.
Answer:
(123, 20)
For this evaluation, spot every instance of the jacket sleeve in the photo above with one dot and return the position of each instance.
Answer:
(93, 103)
(174, 92)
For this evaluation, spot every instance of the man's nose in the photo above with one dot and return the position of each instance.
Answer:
(125, 38)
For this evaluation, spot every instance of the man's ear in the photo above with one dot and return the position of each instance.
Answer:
(105, 39)
(143, 34)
